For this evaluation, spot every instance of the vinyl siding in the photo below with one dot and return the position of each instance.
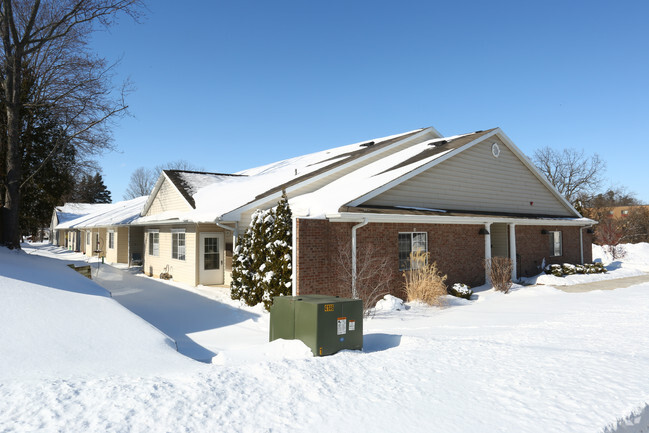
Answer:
(168, 199)
(476, 181)
(182, 270)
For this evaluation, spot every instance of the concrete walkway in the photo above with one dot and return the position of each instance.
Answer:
(617, 283)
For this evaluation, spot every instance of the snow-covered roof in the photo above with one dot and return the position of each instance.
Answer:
(215, 194)
(120, 213)
(353, 173)
(71, 211)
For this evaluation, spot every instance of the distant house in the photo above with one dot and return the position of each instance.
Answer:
(61, 233)
(107, 231)
(462, 199)
(619, 212)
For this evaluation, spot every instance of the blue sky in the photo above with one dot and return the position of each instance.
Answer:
(233, 85)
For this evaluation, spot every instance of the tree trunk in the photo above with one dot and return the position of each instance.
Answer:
(10, 220)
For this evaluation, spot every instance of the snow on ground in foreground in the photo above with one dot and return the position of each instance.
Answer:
(635, 262)
(534, 360)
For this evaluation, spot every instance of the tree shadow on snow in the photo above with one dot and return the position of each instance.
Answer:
(380, 342)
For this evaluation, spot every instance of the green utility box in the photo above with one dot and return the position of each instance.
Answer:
(326, 324)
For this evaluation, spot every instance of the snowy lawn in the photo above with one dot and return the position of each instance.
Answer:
(534, 360)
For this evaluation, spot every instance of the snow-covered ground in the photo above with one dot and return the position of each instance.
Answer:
(534, 360)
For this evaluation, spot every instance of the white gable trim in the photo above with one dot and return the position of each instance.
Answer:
(235, 214)
(163, 176)
(418, 170)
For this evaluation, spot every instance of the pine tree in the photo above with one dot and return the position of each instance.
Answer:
(277, 276)
(90, 189)
(261, 265)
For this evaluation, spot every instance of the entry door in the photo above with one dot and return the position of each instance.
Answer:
(211, 258)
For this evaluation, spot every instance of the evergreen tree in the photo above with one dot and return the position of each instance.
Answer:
(277, 275)
(261, 265)
(90, 189)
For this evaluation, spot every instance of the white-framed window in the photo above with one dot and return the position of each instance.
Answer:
(154, 243)
(556, 244)
(97, 245)
(414, 242)
(111, 240)
(625, 212)
(178, 244)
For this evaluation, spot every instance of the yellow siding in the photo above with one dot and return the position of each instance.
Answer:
(181, 270)
(122, 244)
(168, 199)
(476, 181)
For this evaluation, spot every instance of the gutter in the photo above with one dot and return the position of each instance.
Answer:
(444, 219)
(354, 228)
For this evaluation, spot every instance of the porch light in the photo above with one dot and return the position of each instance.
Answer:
(483, 231)
(544, 232)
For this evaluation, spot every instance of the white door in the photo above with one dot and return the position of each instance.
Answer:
(211, 258)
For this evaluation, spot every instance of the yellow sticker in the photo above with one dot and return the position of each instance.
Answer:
(329, 307)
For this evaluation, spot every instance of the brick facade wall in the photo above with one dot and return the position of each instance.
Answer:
(457, 249)
(532, 247)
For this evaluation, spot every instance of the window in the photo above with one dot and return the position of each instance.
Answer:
(556, 247)
(411, 243)
(154, 243)
(178, 244)
(87, 238)
(625, 213)
(111, 240)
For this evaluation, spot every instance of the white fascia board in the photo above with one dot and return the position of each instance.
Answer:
(235, 214)
(362, 199)
(444, 219)
(530, 165)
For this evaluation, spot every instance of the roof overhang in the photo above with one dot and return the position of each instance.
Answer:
(456, 219)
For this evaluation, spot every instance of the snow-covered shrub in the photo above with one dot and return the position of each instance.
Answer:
(460, 290)
(426, 283)
(390, 303)
(569, 269)
(499, 270)
(261, 261)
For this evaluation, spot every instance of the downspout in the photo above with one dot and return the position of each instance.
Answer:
(235, 235)
(354, 228)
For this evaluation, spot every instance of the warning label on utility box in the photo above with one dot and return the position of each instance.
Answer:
(342, 325)
(352, 325)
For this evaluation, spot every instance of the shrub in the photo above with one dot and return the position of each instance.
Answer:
(373, 274)
(426, 282)
(499, 270)
(568, 269)
(460, 290)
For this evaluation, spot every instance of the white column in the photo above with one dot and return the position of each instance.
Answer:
(487, 250)
(512, 249)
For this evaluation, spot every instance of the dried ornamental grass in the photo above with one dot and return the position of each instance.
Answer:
(425, 282)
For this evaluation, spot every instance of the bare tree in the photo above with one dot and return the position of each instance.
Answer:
(572, 173)
(143, 179)
(373, 274)
(48, 39)
(141, 183)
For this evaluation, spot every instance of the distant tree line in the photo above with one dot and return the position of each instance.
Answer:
(578, 177)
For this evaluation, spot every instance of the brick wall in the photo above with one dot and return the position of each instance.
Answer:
(457, 249)
(533, 247)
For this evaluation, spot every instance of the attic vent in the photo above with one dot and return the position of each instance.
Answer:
(368, 144)
(438, 143)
